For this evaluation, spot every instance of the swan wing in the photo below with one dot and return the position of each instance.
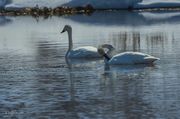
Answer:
(84, 52)
(151, 59)
(132, 58)
(122, 58)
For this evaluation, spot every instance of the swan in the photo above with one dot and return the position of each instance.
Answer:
(84, 51)
(128, 58)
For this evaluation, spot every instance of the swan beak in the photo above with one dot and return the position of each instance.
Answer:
(62, 31)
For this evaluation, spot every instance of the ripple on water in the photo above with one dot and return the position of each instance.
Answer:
(37, 81)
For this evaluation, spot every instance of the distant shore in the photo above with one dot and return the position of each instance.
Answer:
(46, 11)
(58, 11)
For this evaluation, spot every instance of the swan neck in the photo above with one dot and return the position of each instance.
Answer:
(110, 49)
(70, 39)
(107, 57)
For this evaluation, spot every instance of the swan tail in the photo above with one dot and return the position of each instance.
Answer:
(151, 59)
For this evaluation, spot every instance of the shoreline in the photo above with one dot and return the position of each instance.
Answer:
(46, 11)
(59, 11)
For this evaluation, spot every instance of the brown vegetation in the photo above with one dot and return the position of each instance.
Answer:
(45, 11)
(64, 10)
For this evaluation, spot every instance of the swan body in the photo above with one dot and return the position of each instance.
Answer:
(132, 58)
(85, 51)
(128, 58)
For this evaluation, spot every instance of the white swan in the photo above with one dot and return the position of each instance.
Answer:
(85, 51)
(128, 58)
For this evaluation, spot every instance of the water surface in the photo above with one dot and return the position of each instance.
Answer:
(37, 82)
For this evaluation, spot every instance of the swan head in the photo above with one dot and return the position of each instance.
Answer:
(66, 28)
(108, 46)
(102, 52)
(110, 49)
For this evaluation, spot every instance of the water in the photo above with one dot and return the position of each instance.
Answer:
(36, 81)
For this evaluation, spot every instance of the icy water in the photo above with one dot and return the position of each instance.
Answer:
(37, 82)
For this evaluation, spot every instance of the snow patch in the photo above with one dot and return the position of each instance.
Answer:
(98, 4)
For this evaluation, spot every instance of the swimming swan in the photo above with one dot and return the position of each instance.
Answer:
(128, 58)
(85, 51)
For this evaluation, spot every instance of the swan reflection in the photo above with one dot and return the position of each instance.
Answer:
(81, 64)
(4, 20)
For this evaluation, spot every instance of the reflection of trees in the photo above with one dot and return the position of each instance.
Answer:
(134, 41)
(156, 39)
(125, 41)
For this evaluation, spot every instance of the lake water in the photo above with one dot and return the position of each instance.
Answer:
(37, 82)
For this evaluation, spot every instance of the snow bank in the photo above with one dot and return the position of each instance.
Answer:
(13, 7)
(40, 3)
(160, 4)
